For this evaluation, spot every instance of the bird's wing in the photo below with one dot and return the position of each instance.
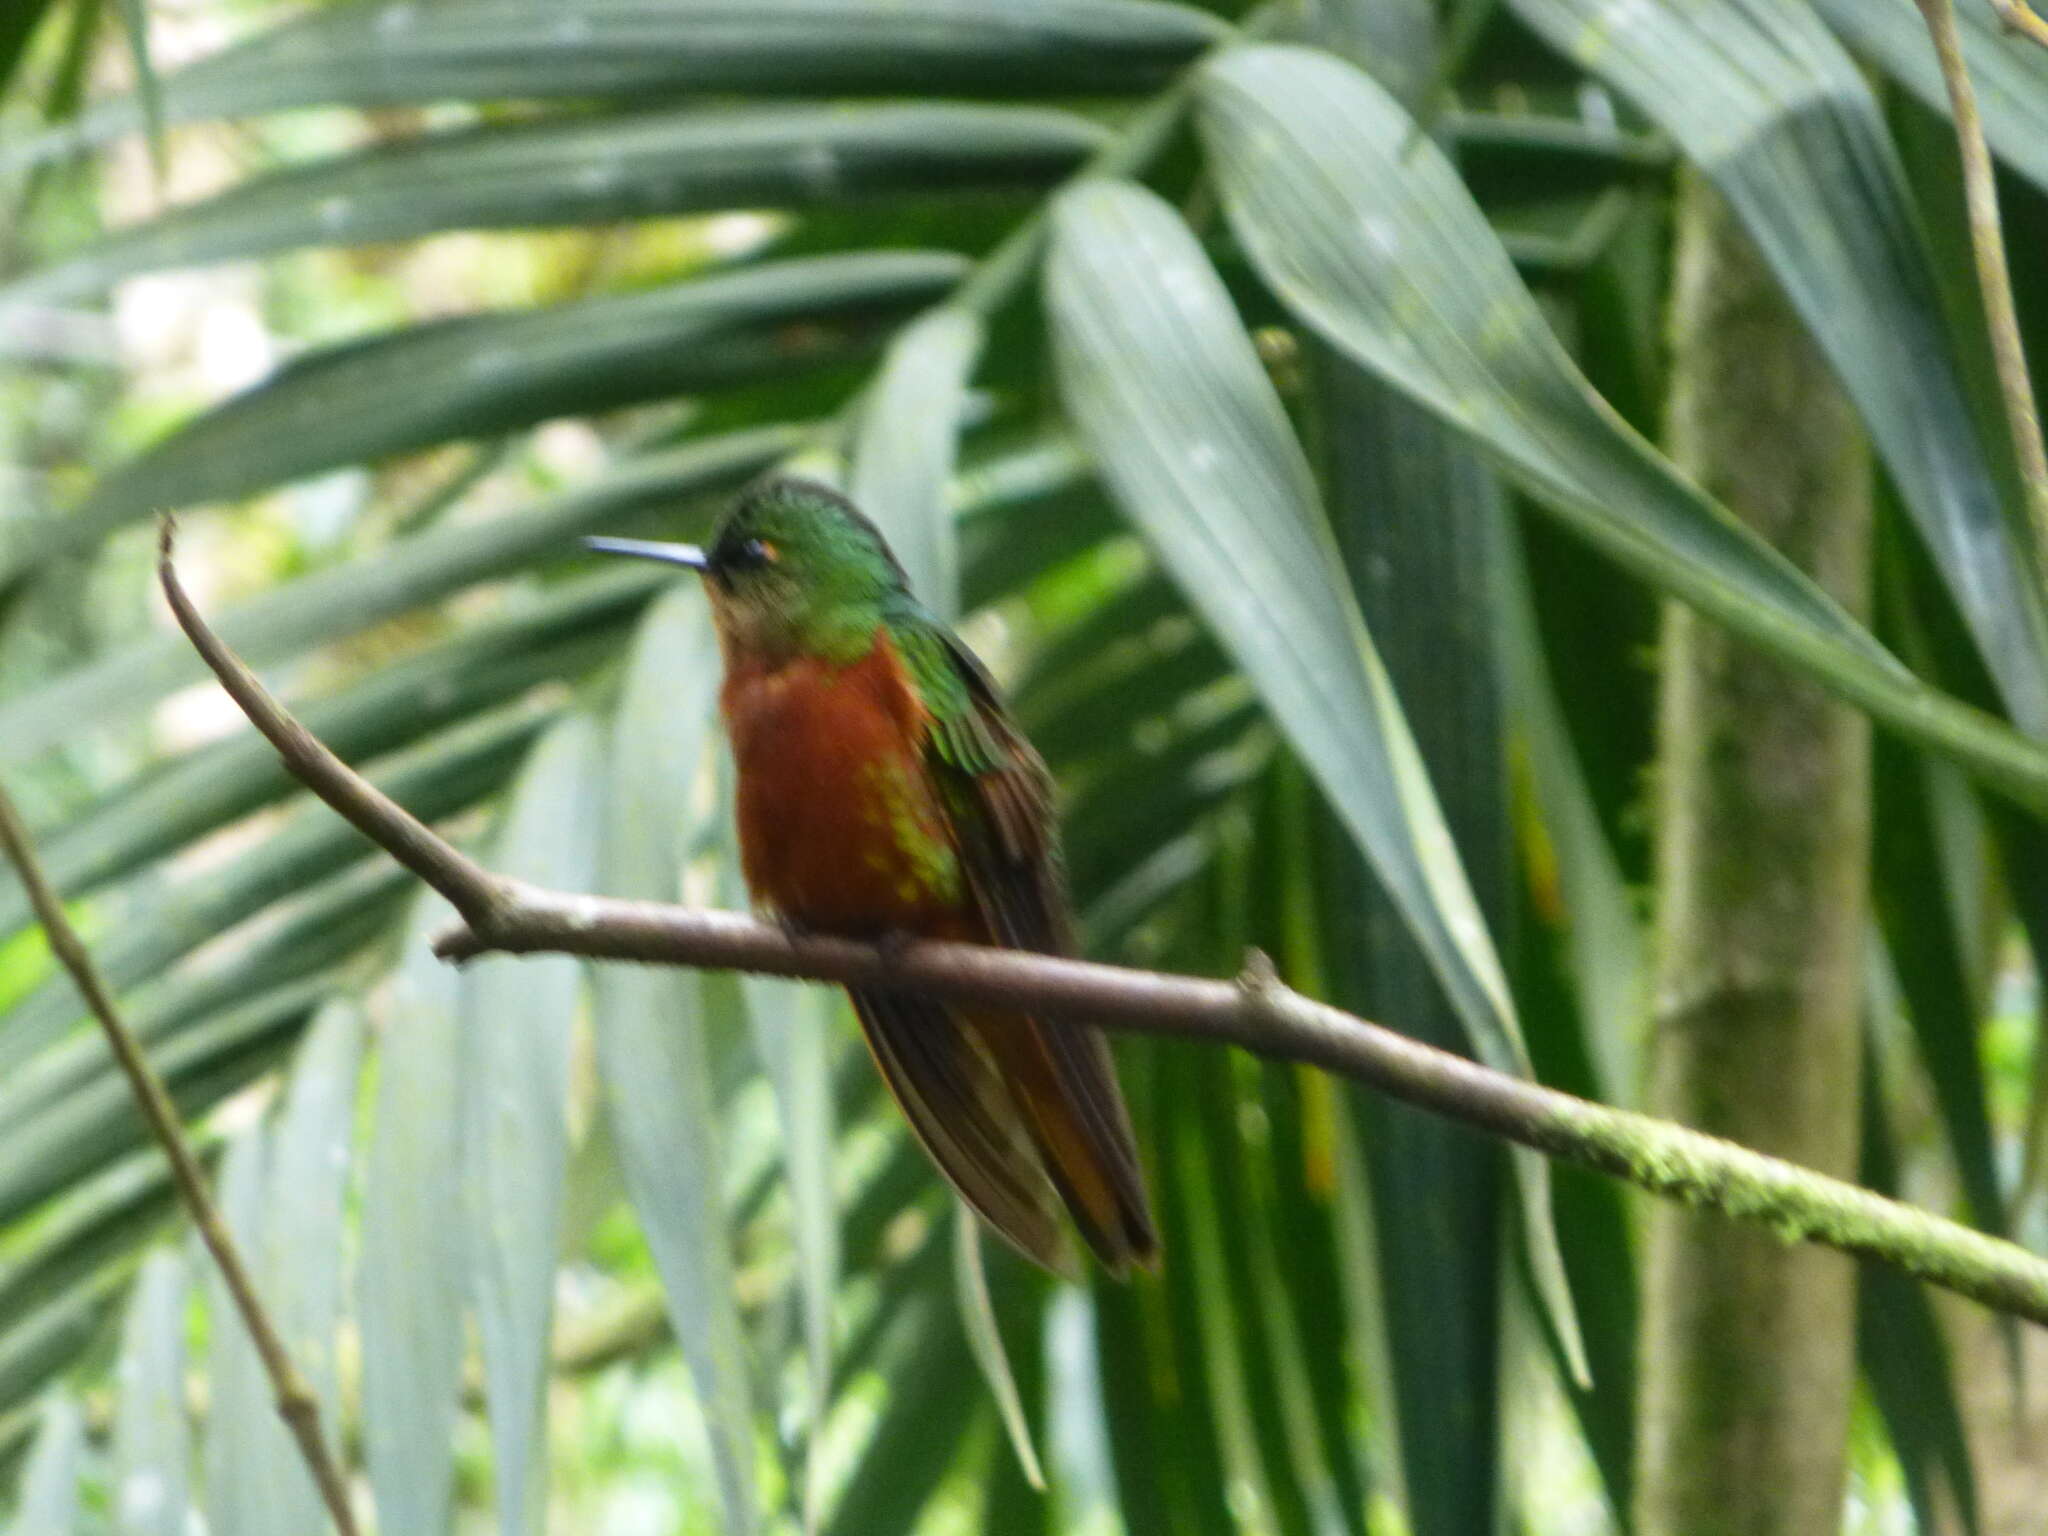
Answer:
(999, 799)
(943, 1075)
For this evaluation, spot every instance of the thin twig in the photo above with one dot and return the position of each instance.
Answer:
(471, 889)
(296, 1404)
(1255, 1012)
(2017, 16)
(1994, 278)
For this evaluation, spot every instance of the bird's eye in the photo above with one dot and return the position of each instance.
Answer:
(736, 557)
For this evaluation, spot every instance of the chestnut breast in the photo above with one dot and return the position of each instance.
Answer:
(840, 825)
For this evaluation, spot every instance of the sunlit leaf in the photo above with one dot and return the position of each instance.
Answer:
(18, 25)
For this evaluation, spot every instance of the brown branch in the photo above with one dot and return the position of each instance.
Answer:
(1255, 1011)
(473, 891)
(1987, 244)
(296, 1404)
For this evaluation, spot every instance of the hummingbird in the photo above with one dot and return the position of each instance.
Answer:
(884, 792)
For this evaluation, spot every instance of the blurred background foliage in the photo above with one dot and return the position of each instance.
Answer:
(395, 299)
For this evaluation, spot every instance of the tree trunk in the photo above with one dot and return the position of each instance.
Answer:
(1762, 842)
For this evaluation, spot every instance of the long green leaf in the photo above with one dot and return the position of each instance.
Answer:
(1599, 916)
(374, 54)
(1025, 512)
(303, 1257)
(1905, 1357)
(51, 1340)
(1771, 108)
(315, 932)
(985, 1342)
(653, 1055)
(335, 603)
(151, 1479)
(518, 1015)
(1917, 915)
(1419, 520)
(409, 1290)
(95, 1125)
(245, 1440)
(1095, 719)
(187, 798)
(2010, 73)
(792, 1028)
(931, 1404)
(903, 458)
(1234, 1257)
(1593, 1218)
(1140, 1396)
(592, 170)
(1366, 232)
(102, 1223)
(434, 779)
(49, 1487)
(1158, 374)
(1303, 1264)
(1020, 510)
(479, 375)
(351, 598)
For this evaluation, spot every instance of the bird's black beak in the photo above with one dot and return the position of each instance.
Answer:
(649, 549)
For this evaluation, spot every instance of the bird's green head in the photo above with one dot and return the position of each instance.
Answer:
(793, 569)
